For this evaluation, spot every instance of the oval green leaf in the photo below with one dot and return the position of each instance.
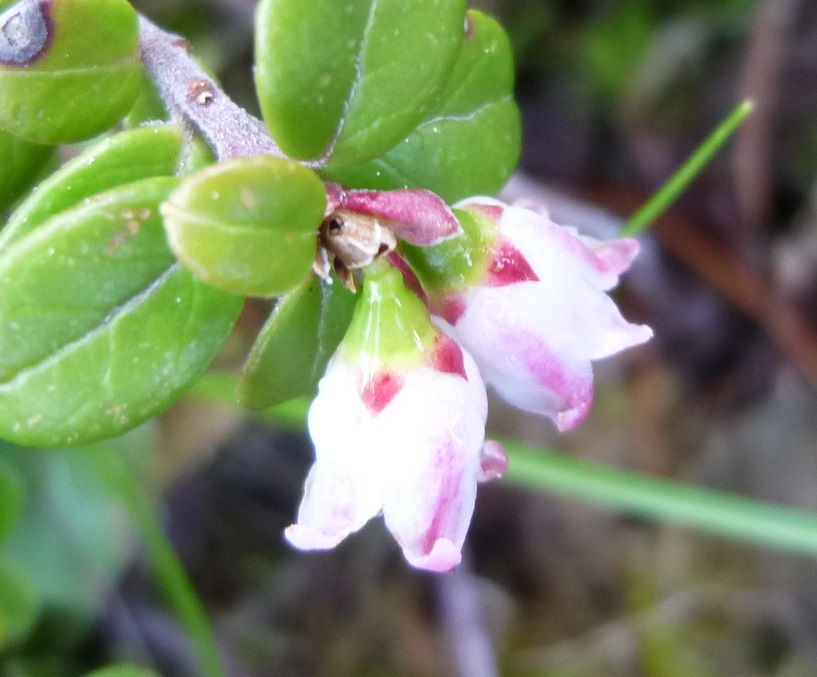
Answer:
(19, 603)
(120, 159)
(351, 79)
(72, 69)
(12, 494)
(247, 225)
(470, 144)
(296, 343)
(20, 163)
(100, 326)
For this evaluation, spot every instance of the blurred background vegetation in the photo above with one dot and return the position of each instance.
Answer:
(614, 94)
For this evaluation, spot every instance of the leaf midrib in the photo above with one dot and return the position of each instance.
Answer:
(81, 70)
(110, 318)
(356, 81)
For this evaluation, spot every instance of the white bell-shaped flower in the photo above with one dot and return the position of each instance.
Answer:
(398, 426)
(527, 298)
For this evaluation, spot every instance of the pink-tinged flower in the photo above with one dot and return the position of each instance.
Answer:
(398, 426)
(415, 215)
(527, 299)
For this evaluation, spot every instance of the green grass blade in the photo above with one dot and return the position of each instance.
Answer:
(661, 500)
(679, 181)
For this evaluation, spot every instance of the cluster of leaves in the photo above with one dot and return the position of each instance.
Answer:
(123, 269)
(123, 272)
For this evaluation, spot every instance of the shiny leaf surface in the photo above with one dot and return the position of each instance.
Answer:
(291, 352)
(122, 158)
(69, 69)
(248, 225)
(470, 144)
(100, 327)
(351, 79)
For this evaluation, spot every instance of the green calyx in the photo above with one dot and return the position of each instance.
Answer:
(460, 261)
(390, 325)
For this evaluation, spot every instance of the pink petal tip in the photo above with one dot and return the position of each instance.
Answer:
(443, 557)
(306, 538)
(493, 461)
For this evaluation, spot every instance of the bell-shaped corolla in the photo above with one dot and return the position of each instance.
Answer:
(398, 427)
(527, 299)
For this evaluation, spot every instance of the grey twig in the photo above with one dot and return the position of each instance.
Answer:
(195, 100)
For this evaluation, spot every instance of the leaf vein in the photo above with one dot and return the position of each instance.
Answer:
(104, 324)
(107, 69)
(364, 43)
(469, 117)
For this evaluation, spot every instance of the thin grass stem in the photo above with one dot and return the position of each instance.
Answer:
(662, 500)
(679, 181)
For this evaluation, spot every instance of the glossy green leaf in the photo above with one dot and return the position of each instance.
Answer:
(248, 225)
(20, 163)
(69, 69)
(122, 158)
(100, 326)
(295, 345)
(19, 603)
(470, 144)
(12, 494)
(122, 671)
(61, 281)
(351, 79)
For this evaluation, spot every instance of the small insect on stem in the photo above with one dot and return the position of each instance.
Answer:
(24, 32)
(352, 241)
